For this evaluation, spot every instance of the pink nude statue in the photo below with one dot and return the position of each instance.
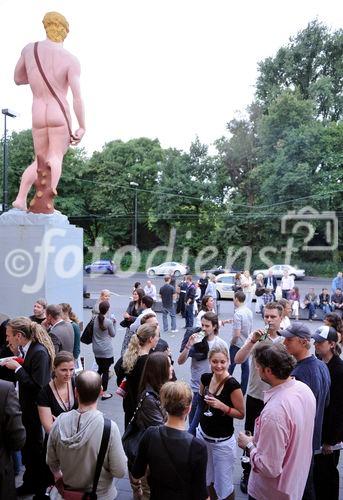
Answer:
(50, 70)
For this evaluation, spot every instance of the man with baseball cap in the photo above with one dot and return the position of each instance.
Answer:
(326, 475)
(315, 374)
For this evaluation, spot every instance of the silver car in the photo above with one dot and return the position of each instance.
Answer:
(278, 270)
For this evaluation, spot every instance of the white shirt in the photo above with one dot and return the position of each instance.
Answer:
(137, 323)
(150, 291)
(24, 350)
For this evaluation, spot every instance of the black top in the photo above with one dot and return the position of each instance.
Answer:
(333, 414)
(47, 398)
(36, 319)
(34, 374)
(203, 282)
(132, 387)
(219, 425)
(190, 293)
(167, 291)
(180, 472)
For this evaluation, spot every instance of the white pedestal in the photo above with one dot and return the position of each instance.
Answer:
(41, 256)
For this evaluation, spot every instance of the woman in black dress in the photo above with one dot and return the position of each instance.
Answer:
(58, 396)
(131, 365)
(223, 399)
(55, 398)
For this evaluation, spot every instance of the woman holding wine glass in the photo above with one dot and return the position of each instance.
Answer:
(223, 401)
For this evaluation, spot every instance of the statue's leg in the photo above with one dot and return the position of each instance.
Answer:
(27, 179)
(40, 141)
(59, 141)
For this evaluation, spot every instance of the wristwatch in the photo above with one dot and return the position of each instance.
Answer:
(249, 446)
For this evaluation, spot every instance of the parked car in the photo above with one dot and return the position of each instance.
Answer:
(224, 286)
(278, 270)
(216, 271)
(172, 268)
(101, 267)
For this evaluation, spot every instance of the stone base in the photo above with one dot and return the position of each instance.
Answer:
(41, 256)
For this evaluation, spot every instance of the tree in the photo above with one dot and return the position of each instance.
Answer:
(310, 64)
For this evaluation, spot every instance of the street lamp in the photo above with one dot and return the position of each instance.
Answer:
(6, 112)
(135, 185)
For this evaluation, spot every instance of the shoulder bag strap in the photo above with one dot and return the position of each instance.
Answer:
(220, 385)
(146, 394)
(171, 458)
(102, 452)
(51, 89)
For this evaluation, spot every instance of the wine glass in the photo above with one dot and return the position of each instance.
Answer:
(208, 412)
(245, 459)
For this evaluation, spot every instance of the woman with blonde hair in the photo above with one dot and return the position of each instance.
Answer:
(29, 340)
(223, 400)
(131, 365)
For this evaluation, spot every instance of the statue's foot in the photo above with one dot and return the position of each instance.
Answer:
(19, 205)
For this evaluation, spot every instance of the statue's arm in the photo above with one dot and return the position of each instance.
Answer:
(20, 74)
(74, 83)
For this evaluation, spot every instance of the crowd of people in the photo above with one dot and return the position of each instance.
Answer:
(183, 434)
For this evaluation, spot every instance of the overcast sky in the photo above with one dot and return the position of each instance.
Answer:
(170, 69)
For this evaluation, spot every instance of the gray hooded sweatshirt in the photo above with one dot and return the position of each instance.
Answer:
(73, 447)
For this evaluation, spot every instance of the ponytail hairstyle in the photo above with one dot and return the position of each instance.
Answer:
(144, 334)
(103, 308)
(66, 309)
(34, 332)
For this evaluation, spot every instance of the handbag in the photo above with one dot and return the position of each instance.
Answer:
(87, 334)
(84, 495)
(133, 434)
(126, 322)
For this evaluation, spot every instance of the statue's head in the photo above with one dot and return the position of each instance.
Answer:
(56, 26)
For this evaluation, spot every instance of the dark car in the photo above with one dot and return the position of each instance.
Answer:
(101, 267)
(216, 271)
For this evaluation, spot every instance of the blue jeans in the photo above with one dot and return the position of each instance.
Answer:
(244, 366)
(326, 308)
(171, 312)
(312, 309)
(195, 413)
(189, 315)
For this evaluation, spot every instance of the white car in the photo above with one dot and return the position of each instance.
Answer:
(278, 270)
(172, 268)
(224, 286)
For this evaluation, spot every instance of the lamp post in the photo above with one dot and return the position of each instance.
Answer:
(6, 112)
(135, 185)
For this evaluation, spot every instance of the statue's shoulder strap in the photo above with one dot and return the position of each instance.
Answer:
(53, 93)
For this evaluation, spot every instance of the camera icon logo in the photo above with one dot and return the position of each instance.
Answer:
(308, 218)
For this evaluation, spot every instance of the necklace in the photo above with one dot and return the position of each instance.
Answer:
(66, 408)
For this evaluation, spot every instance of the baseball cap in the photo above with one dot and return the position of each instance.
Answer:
(325, 332)
(296, 329)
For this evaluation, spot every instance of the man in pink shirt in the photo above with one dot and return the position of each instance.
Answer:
(281, 448)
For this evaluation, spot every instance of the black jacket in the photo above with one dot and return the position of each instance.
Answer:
(12, 437)
(333, 415)
(273, 280)
(34, 374)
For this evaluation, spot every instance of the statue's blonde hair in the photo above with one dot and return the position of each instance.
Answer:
(56, 26)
